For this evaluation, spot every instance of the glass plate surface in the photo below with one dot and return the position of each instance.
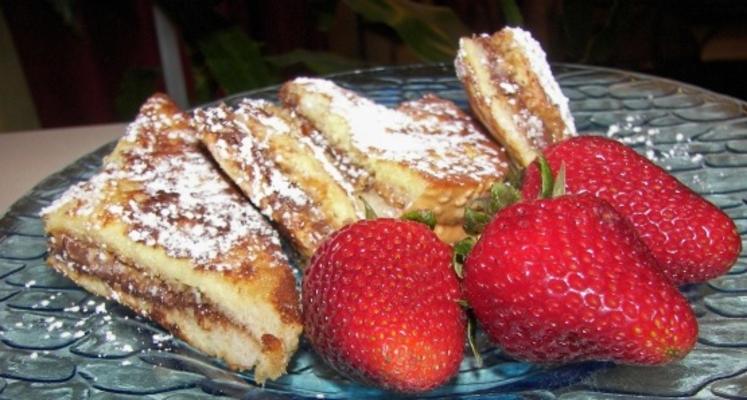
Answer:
(57, 341)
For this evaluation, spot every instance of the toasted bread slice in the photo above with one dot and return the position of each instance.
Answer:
(160, 230)
(512, 91)
(285, 173)
(427, 154)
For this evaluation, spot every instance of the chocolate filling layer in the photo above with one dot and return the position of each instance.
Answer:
(127, 278)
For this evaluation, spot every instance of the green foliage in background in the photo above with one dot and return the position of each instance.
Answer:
(234, 60)
(136, 85)
(226, 60)
(65, 9)
(321, 63)
(431, 32)
(586, 43)
(512, 13)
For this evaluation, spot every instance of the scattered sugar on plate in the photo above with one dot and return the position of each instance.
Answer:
(631, 134)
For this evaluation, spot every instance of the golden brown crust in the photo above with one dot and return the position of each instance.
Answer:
(177, 308)
(160, 204)
(124, 277)
(511, 90)
(265, 151)
(451, 126)
(450, 233)
(426, 154)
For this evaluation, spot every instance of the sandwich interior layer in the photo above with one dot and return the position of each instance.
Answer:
(183, 310)
(511, 89)
(426, 154)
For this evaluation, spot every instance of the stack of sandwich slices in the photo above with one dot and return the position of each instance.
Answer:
(175, 227)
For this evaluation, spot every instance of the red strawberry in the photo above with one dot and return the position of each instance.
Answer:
(568, 279)
(380, 305)
(692, 239)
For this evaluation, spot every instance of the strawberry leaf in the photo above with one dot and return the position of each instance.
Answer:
(558, 188)
(503, 195)
(546, 189)
(370, 213)
(472, 339)
(423, 216)
(461, 250)
(514, 175)
(479, 211)
(475, 219)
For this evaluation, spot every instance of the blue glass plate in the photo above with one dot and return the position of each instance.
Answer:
(57, 341)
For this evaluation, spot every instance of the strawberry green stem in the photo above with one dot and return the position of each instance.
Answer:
(503, 195)
(514, 175)
(480, 211)
(546, 188)
(558, 188)
(472, 338)
(472, 333)
(423, 216)
(475, 219)
(461, 250)
(370, 213)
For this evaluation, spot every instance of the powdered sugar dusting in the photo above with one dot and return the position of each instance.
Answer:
(538, 62)
(200, 217)
(263, 182)
(168, 194)
(92, 190)
(329, 166)
(252, 139)
(430, 135)
(353, 176)
(530, 124)
(460, 66)
(262, 185)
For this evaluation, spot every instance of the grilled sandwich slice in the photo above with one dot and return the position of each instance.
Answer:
(160, 230)
(284, 169)
(512, 91)
(426, 154)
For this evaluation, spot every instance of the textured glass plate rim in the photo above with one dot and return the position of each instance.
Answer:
(97, 154)
(582, 69)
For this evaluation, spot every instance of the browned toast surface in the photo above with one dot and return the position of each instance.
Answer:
(286, 174)
(426, 154)
(160, 209)
(512, 90)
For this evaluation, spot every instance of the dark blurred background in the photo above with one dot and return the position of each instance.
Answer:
(76, 62)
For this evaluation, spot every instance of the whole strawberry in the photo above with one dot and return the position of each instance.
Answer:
(567, 279)
(380, 305)
(692, 239)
